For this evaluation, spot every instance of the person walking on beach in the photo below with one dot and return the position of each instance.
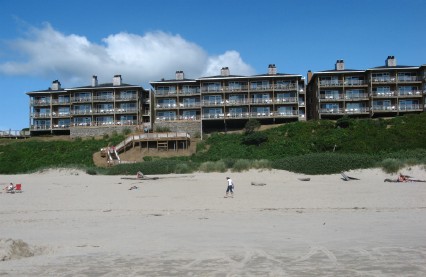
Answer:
(230, 188)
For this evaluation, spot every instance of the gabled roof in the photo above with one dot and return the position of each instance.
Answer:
(104, 85)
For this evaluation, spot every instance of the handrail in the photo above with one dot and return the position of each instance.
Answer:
(132, 138)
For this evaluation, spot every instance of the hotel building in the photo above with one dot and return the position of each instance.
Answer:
(86, 111)
(383, 91)
(226, 101)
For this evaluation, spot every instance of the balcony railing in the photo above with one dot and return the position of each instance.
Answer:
(40, 102)
(331, 83)
(357, 110)
(385, 79)
(384, 94)
(331, 97)
(360, 96)
(61, 102)
(82, 99)
(165, 92)
(331, 110)
(412, 107)
(410, 93)
(384, 108)
(176, 118)
(409, 79)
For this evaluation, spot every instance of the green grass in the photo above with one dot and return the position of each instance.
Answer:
(313, 147)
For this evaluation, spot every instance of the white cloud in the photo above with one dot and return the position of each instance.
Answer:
(73, 59)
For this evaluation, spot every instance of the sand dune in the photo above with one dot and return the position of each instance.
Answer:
(68, 223)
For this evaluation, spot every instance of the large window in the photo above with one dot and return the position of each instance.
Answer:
(355, 94)
(236, 98)
(64, 123)
(166, 90)
(261, 98)
(407, 76)
(382, 91)
(63, 111)
(329, 94)
(63, 99)
(190, 89)
(105, 95)
(286, 110)
(381, 77)
(166, 103)
(212, 112)
(212, 86)
(127, 94)
(82, 109)
(212, 99)
(189, 115)
(105, 108)
(407, 90)
(83, 96)
(166, 115)
(261, 111)
(82, 121)
(259, 85)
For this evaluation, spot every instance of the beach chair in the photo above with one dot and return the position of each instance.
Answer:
(18, 188)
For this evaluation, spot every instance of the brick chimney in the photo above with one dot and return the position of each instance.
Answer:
(180, 75)
(272, 70)
(94, 81)
(56, 85)
(340, 65)
(116, 81)
(309, 76)
(391, 61)
(224, 71)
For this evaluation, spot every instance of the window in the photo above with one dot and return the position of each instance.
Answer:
(83, 96)
(259, 85)
(286, 97)
(238, 98)
(166, 90)
(128, 94)
(407, 90)
(105, 95)
(64, 123)
(105, 120)
(190, 89)
(285, 110)
(212, 112)
(354, 80)
(235, 85)
(329, 94)
(213, 99)
(381, 77)
(82, 121)
(166, 115)
(382, 91)
(212, 86)
(82, 109)
(166, 103)
(63, 99)
(407, 76)
(263, 111)
(261, 98)
(355, 94)
(189, 115)
(105, 108)
(64, 111)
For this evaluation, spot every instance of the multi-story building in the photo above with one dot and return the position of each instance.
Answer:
(382, 91)
(82, 109)
(227, 101)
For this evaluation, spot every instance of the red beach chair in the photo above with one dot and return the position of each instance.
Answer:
(18, 188)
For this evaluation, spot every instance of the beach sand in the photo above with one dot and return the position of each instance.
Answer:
(68, 223)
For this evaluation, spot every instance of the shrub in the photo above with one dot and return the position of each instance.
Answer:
(254, 138)
(241, 165)
(147, 158)
(126, 131)
(260, 164)
(391, 165)
(251, 125)
(91, 171)
(218, 166)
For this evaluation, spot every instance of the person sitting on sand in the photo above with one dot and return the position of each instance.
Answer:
(10, 187)
(139, 175)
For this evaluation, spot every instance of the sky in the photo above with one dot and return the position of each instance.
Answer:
(147, 40)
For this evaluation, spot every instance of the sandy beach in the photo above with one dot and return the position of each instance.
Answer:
(68, 223)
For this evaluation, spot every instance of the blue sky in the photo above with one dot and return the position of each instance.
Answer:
(69, 41)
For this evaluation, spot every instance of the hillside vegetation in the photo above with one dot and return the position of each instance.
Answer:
(313, 147)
